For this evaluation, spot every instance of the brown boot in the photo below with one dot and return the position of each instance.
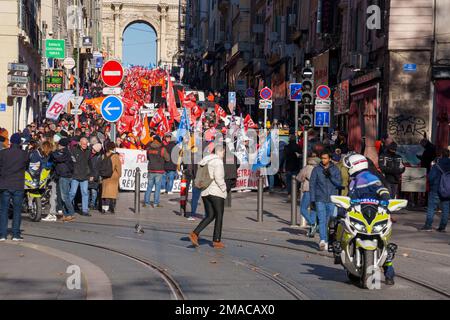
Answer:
(218, 245)
(194, 239)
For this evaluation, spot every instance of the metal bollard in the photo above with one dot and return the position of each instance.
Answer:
(260, 198)
(294, 202)
(137, 191)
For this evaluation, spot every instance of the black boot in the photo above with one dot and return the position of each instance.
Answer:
(112, 206)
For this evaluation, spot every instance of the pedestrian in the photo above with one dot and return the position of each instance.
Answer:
(325, 182)
(13, 164)
(213, 195)
(94, 176)
(428, 155)
(191, 173)
(63, 163)
(391, 165)
(110, 185)
(292, 156)
(157, 156)
(338, 160)
(170, 167)
(304, 178)
(81, 173)
(437, 173)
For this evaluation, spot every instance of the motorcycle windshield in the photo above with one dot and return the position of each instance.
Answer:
(369, 212)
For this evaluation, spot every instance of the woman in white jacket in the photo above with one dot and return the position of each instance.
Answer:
(213, 198)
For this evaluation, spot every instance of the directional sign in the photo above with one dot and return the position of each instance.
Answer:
(295, 91)
(18, 67)
(17, 79)
(112, 109)
(323, 92)
(266, 93)
(321, 118)
(17, 92)
(112, 73)
(55, 49)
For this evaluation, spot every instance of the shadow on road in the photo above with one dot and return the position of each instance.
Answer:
(327, 273)
(304, 243)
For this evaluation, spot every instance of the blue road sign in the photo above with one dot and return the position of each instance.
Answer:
(321, 118)
(232, 97)
(98, 62)
(112, 109)
(250, 93)
(2, 107)
(410, 67)
(323, 92)
(295, 91)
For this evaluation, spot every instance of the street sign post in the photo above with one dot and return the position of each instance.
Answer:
(112, 73)
(295, 92)
(55, 49)
(266, 93)
(69, 63)
(17, 92)
(250, 101)
(18, 67)
(112, 109)
(112, 91)
(17, 79)
(265, 104)
(321, 118)
(323, 92)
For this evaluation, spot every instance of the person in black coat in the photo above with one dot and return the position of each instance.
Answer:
(13, 164)
(428, 155)
(81, 155)
(391, 165)
(94, 176)
(292, 156)
(170, 166)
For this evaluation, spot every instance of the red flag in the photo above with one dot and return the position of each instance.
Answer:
(137, 125)
(220, 113)
(181, 95)
(196, 111)
(163, 127)
(157, 118)
(171, 103)
(248, 123)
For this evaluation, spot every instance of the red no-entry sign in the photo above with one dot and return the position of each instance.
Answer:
(112, 73)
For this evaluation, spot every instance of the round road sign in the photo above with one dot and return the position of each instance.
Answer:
(112, 73)
(69, 63)
(323, 92)
(112, 109)
(250, 93)
(265, 93)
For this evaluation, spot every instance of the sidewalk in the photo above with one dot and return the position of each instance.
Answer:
(30, 274)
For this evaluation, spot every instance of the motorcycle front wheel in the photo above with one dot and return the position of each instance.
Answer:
(36, 209)
(369, 274)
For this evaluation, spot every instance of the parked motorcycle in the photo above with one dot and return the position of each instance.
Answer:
(37, 193)
(362, 237)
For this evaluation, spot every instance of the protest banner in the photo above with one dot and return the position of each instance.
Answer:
(133, 159)
(57, 104)
(247, 179)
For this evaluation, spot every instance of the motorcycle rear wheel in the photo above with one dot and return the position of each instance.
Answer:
(36, 210)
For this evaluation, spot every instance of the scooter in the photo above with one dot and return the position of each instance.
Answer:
(362, 238)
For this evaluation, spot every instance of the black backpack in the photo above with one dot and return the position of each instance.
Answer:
(105, 168)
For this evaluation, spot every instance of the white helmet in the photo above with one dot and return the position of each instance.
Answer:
(356, 163)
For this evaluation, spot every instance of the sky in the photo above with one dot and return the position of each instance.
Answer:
(139, 45)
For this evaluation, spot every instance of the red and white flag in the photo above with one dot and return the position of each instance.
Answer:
(248, 123)
(220, 113)
(163, 127)
(157, 117)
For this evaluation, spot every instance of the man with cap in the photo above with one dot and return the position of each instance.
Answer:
(13, 163)
(63, 162)
(391, 165)
(170, 166)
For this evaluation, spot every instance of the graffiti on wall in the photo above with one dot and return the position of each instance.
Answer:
(407, 128)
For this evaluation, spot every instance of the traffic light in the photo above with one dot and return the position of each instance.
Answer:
(306, 120)
(308, 85)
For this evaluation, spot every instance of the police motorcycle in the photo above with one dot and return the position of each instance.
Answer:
(37, 192)
(362, 237)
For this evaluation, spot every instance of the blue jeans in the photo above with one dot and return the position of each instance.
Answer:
(154, 179)
(325, 210)
(167, 180)
(64, 187)
(93, 197)
(196, 193)
(309, 215)
(17, 198)
(271, 182)
(433, 201)
(84, 186)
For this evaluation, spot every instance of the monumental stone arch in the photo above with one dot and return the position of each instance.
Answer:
(161, 15)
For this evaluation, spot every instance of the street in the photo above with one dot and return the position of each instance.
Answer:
(261, 261)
